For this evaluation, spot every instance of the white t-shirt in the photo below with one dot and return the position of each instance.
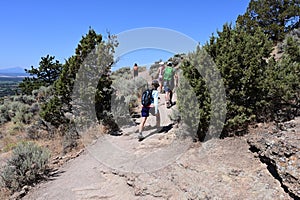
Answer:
(155, 99)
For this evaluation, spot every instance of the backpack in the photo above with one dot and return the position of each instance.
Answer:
(147, 97)
(168, 74)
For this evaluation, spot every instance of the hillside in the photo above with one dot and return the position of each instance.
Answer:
(120, 167)
(217, 169)
(233, 131)
(264, 164)
(13, 72)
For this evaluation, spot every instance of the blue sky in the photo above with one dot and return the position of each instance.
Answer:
(32, 29)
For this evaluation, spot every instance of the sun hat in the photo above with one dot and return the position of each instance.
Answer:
(161, 63)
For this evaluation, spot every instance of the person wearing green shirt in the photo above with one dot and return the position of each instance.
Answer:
(169, 73)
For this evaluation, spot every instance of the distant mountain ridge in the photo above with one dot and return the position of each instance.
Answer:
(13, 72)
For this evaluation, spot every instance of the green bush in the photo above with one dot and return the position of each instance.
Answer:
(28, 99)
(126, 98)
(153, 70)
(124, 72)
(22, 114)
(128, 88)
(3, 114)
(70, 136)
(133, 102)
(196, 94)
(51, 112)
(34, 108)
(43, 93)
(27, 166)
(241, 59)
(282, 82)
(19, 109)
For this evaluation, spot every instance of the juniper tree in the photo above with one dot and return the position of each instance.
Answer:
(64, 85)
(201, 97)
(45, 75)
(283, 82)
(93, 58)
(241, 59)
(275, 17)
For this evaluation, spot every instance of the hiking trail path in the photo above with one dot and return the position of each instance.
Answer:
(121, 167)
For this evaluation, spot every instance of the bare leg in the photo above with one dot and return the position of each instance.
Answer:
(158, 120)
(144, 119)
(167, 96)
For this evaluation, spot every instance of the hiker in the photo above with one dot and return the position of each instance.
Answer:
(169, 84)
(152, 108)
(135, 70)
(160, 72)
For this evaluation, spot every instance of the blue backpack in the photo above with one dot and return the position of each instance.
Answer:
(147, 98)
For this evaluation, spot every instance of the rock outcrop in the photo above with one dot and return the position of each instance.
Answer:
(278, 146)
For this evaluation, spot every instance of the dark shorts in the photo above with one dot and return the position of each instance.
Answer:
(135, 73)
(168, 85)
(147, 110)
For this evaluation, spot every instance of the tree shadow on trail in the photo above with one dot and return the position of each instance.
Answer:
(164, 129)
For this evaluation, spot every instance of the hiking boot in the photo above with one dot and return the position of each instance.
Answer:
(140, 137)
(167, 104)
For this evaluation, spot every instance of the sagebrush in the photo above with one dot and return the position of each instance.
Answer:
(27, 166)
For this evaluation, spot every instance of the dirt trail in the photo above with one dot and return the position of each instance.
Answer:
(161, 167)
(221, 169)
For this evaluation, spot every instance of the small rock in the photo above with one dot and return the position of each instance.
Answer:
(130, 183)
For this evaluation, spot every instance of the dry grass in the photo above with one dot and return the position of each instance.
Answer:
(90, 135)
(10, 136)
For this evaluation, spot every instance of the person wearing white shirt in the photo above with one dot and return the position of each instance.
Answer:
(152, 108)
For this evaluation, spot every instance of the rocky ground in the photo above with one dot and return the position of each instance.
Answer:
(262, 165)
(278, 146)
(220, 169)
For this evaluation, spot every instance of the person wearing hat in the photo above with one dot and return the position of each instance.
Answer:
(160, 72)
(169, 83)
(153, 109)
